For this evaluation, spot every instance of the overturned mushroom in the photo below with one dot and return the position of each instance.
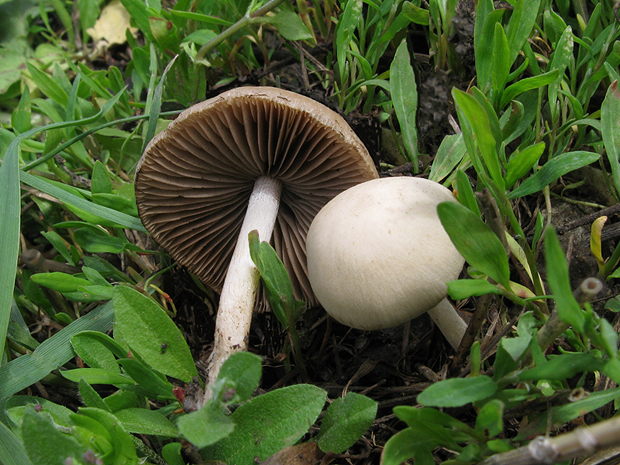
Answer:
(252, 158)
(378, 256)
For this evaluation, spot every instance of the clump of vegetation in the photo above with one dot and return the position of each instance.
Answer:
(102, 336)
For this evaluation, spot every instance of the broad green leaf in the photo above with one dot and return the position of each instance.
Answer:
(446, 429)
(521, 163)
(21, 117)
(145, 327)
(509, 352)
(206, 426)
(138, 11)
(552, 170)
(58, 281)
(20, 373)
(413, 442)
(405, 100)
(93, 352)
(558, 278)
(466, 288)
(98, 242)
(610, 128)
(456, 392)
(345, 420)
(475, 241)
(449, 154)
(44, 443)
(268, 423)
(143, 421)
(171, 453)
(289, 25)
(238, 378)
(96, 376)
(490, 418)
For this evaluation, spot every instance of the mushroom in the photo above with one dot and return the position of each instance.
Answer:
(253, 158)
(378, 256)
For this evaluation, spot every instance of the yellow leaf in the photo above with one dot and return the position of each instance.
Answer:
(112, 24)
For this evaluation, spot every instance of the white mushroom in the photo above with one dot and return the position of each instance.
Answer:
(378, 256)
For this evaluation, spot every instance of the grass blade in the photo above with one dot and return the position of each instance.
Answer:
(20, 373)
(405, 100)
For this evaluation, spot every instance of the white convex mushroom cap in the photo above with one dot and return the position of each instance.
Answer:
(378, 255)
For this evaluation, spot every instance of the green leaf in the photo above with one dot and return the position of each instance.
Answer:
(470, 109)
(490, 418)
(238, 378)
(96, 376)
(415, 14)
(124, 448)
(484, 29)
(276, 281)
(475, 241)
(12, 451)
(519, 164)
(290, 25)
(466, 288)
(347, 24)
(171, 453)
(21, 117)
(58, 281)
(145, 327)
(552, 170)
(501, 63)
(405, 100)
(465, 193)
(567, 306)
(345, 420)
(155, 384)
(48, 86)
(526, 84)
(206, 426)
(44, 443)
(413, 442)
(456, 392)
(90, 397)
(139, 13)
(268, 423)
(563, 366)
(93, 352)
(143, 421)
(98, 242)
(100, 181)
(521, 24)
(610, 120)
(449, 154)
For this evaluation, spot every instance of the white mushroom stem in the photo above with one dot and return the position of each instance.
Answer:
(238, 296)
(449, 322)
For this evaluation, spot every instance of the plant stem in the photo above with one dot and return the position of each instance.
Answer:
(243, 22)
